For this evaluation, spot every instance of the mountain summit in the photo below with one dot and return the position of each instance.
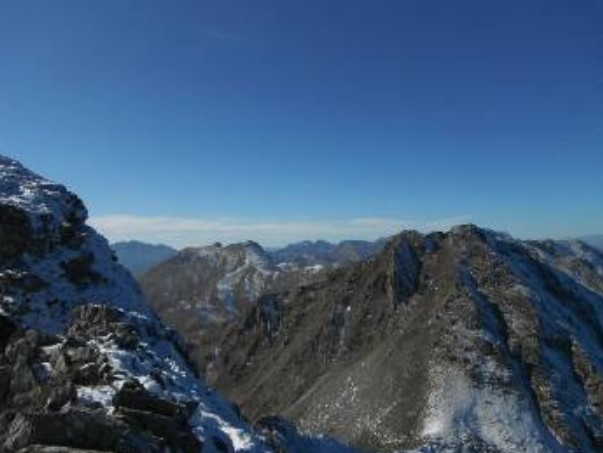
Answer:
(84, 363)
(467, 340)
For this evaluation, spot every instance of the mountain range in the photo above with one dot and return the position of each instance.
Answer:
(436, 340)
(468, 340)
(85, 363)
(465, 340)
(138, 257)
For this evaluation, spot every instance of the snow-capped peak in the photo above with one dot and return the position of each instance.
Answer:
(48, 204)
(84, 335)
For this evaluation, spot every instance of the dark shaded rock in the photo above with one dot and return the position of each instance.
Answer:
(404, 268)
(15, 232)
(88, 374)
(60, 395)
(7, 328)
(23, 379)
(221, 445)
(5, 378)
(79, 271)
(77, 428)
(133, 395)
(179, 436)
(22, 349)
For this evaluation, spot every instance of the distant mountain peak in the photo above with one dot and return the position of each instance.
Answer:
(138, 257)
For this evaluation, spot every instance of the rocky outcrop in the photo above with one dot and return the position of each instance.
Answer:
(85, 365)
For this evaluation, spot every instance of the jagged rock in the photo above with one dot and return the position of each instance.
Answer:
(74, 327)
(60, 395)
(133, 395)
(99, 320)
(177, 435)
(77, 428)
(93, 320)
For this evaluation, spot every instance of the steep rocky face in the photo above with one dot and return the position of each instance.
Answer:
(84, 363)
(468, 338)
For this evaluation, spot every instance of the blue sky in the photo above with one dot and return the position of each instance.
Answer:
(276, 120)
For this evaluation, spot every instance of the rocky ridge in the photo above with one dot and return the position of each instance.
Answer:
(85, 364)
(468, 340)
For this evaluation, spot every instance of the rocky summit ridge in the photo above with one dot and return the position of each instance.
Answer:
(85, 364)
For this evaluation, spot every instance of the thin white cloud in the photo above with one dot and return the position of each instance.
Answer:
(180, 232)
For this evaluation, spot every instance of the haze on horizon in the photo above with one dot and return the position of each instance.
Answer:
(198, 121)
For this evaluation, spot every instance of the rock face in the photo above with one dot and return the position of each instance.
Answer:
(466, 340)
(84, 363)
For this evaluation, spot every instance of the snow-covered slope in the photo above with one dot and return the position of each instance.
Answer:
(84, 363)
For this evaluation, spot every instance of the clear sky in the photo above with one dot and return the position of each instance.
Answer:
(190, 121)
